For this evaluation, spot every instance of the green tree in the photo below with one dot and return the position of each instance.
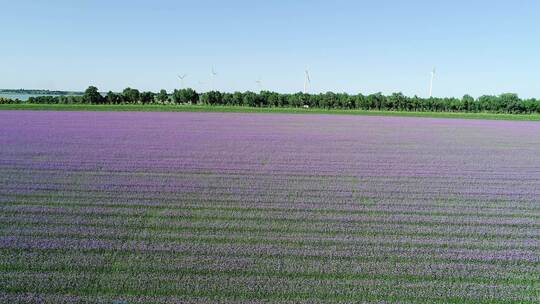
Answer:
(212, 98)
(250, 99)
(468, 102)
(131, 95)
(238, 98)
(397, 101)
(185, 96)
(377, 101)
(92, 96)
(147, 97)
(162, 96)
(113, 98)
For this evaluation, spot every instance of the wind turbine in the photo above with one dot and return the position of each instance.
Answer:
(259, 84)
(213, 77)
(431, 82)
(181, 77)
(201, 84)
(307, 81)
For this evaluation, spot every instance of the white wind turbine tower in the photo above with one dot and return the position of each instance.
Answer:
(181, 77)
(259, 84)
(213, 77)
(201, 84)
(307, 81)
(431, 83)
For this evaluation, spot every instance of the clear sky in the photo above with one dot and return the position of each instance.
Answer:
(478, 47)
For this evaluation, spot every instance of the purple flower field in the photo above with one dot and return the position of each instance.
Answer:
(126, 207)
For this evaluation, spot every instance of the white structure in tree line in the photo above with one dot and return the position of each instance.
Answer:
(213, 77)
(201, 85)
(431, 83)
(181, 77)
(307, 81)
(259, 84)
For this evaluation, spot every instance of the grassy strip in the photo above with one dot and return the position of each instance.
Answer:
(235, 109)
(262, 219)
(269, 231)
(282, 243)
(218, 296)
(126, 253)
(183, 270)
(262, 211)
(365, 287)
(192, 227)
(223, 191)
(165, 204)
(72, 257)
(241, 228)
(259, 213)
(241, 174)
(65, 178)
(267, 185)
(362, 204)
(105, 199)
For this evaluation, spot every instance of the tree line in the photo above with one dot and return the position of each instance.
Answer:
(39, 92)
(504, 103)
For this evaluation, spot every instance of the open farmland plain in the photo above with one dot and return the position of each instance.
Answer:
(97, 207)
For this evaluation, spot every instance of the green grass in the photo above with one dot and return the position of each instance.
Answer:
(235, 109)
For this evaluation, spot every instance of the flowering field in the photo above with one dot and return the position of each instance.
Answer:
(276, 208)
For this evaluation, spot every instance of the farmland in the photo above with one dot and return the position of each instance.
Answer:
(242, 109)
(155, 207)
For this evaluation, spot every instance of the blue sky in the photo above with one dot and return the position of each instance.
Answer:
(479, 47)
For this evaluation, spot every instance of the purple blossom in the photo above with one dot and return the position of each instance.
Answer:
(258, 208)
